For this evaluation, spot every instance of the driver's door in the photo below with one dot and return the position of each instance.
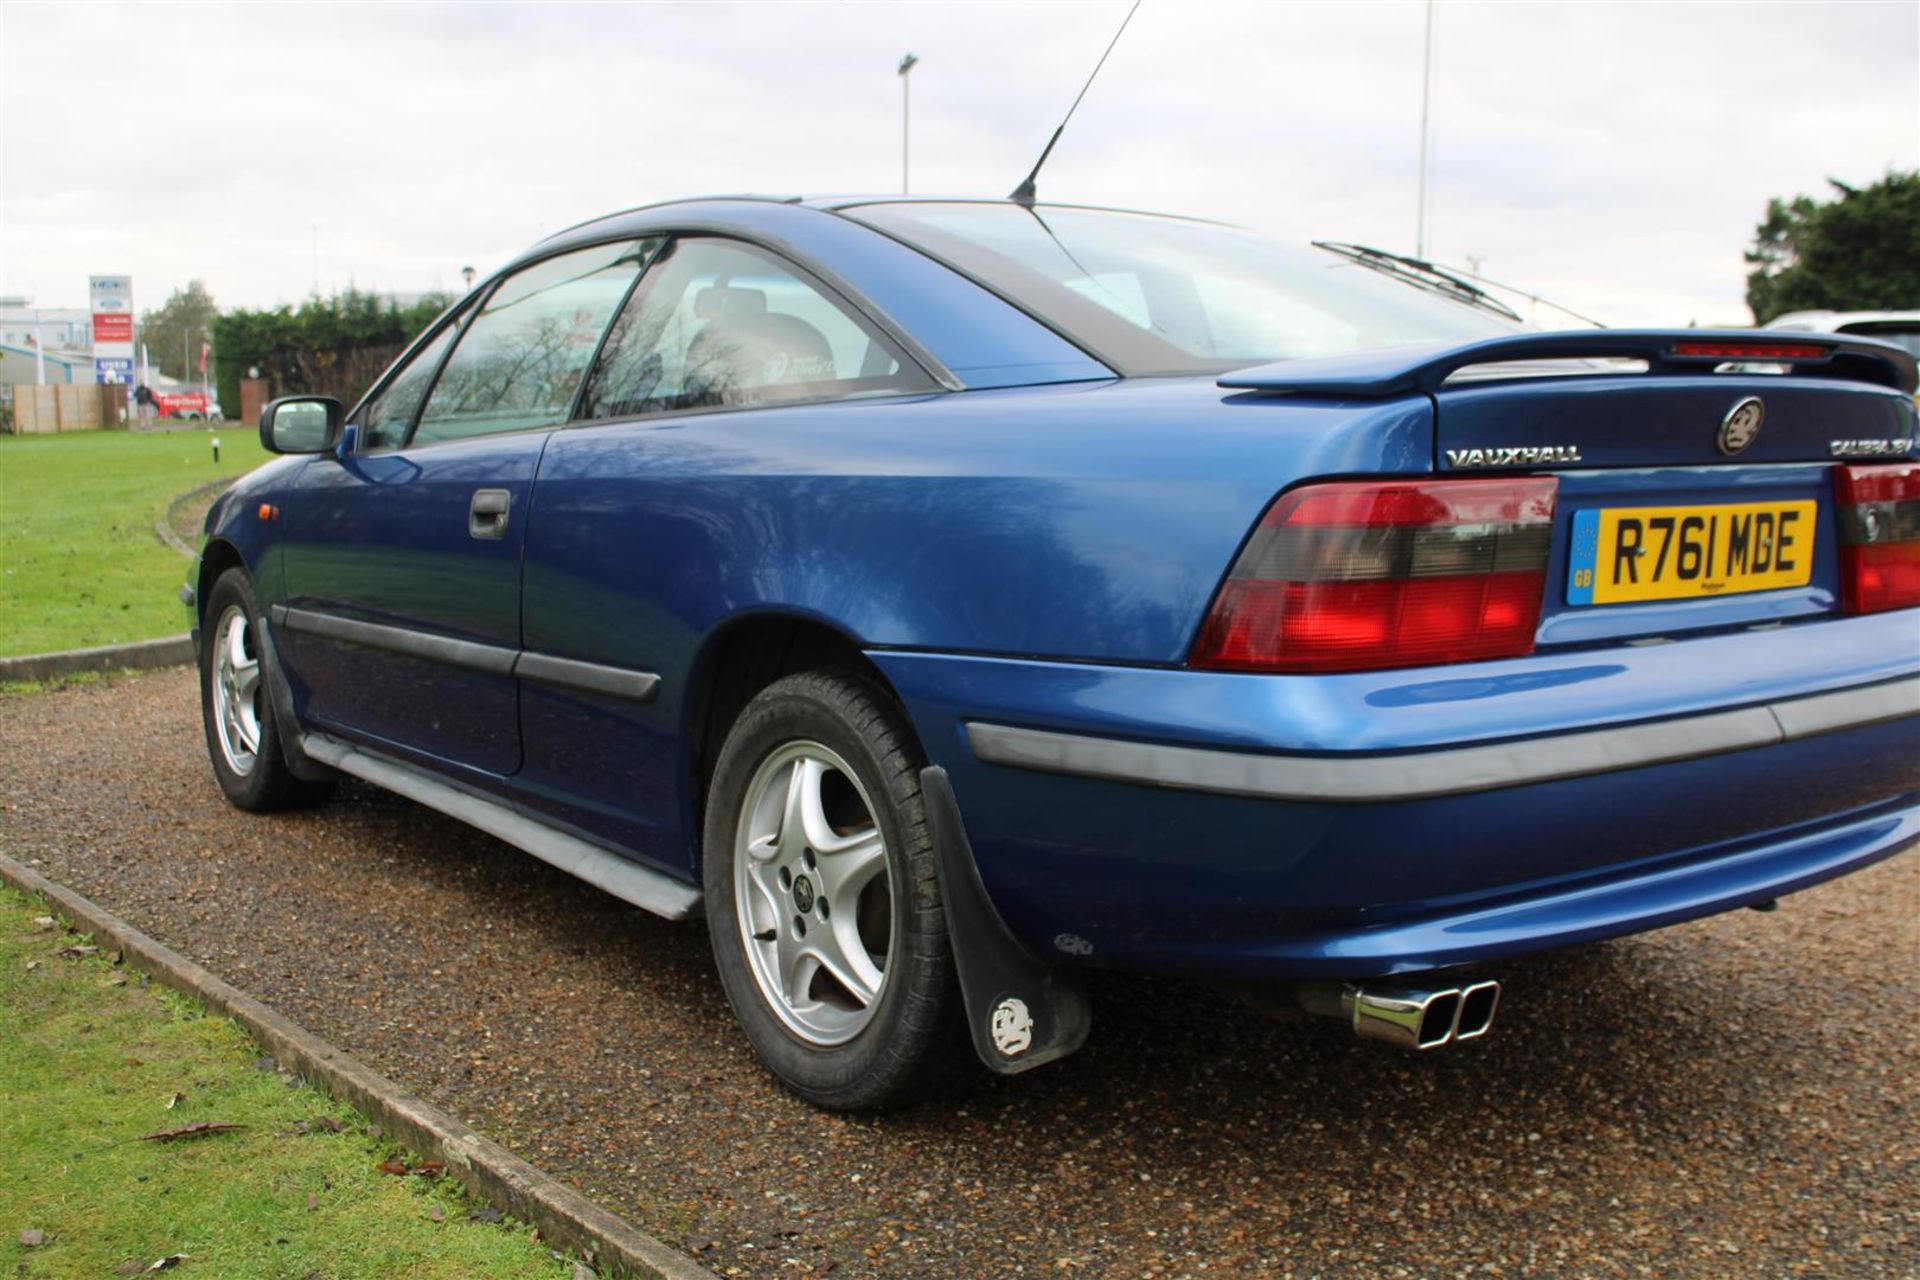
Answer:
(402, 558)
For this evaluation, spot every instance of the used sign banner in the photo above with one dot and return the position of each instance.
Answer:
(111, 299)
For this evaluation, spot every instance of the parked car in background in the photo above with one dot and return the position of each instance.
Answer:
(944, 597)
(188, 406)
(1902, 328)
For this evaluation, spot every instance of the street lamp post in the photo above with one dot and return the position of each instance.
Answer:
(907, 64)
(1426, 106)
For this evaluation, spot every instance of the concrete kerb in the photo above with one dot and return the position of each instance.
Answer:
(163, 527)
(141, 655)
(565, 1217)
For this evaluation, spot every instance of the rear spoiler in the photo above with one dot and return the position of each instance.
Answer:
(1396, 371)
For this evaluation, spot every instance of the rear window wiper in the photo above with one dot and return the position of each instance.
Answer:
(1421, 274)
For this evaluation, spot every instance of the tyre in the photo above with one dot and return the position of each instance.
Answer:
(823, 901)
(243, 735)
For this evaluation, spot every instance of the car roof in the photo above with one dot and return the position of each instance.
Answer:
(615, 223)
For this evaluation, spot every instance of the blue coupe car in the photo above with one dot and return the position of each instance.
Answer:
(945, 597)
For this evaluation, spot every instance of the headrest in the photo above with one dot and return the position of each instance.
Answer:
(723, 300)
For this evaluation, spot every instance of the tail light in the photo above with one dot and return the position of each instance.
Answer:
(1353, 575)
(1879, 511)
(1751, 350)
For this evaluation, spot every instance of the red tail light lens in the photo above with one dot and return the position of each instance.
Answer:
(1358, 575)
(1879, 512)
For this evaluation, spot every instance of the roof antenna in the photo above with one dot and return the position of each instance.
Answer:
(1024, 193)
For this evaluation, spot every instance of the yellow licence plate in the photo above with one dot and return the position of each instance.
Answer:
(1671, 553)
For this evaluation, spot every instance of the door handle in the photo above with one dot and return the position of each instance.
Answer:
(487, 514)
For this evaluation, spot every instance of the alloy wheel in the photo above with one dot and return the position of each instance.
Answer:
(813, 893)
(236, 690)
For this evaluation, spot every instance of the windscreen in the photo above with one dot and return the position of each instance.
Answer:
(1153, 295)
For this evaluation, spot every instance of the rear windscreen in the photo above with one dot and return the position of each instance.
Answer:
(1156, 295)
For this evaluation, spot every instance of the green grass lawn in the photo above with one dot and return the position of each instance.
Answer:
(89, 1062)
(79, 562)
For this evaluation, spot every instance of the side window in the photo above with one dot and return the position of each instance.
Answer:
(1119, 292)
(384, 423)
(520, 362)
(717, 322)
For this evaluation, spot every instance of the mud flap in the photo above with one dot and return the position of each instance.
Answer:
(1021, 1012)
(280, 695)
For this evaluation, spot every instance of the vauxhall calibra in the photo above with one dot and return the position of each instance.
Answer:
(945, 597)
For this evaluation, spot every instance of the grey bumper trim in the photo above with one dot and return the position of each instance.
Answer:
(1448, 770)
(624, 879)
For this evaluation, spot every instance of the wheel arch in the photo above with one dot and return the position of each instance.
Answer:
(218, 556)
(737, 660)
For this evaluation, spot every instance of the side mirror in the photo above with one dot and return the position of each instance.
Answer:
(301, 424)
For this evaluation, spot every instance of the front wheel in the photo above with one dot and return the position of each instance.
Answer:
(243, 734)
(823, 900)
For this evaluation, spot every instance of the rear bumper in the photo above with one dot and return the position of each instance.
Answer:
(1640, 898)
(1211, 824)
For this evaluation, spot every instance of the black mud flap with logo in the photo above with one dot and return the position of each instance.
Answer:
(1021, 1012)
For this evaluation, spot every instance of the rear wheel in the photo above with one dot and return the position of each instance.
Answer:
(243, 734)
(823, 900)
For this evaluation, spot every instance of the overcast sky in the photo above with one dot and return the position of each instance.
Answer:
(1612, 156)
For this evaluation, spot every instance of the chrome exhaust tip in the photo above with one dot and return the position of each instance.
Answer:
(1405, 1013)
(1411, 1017)
(1477, 1004)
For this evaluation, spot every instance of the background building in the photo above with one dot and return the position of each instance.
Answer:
(17, 365)
(66, 328)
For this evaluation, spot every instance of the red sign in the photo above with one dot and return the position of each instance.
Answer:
(112, 326)
(173, 404)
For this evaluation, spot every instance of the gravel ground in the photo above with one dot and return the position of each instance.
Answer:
(1736, 1097)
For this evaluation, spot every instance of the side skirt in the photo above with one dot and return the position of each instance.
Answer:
(624, 879)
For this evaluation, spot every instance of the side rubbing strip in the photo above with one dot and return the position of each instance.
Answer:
(590, 676)
(1449, 771)
(492, 659)
(620, 682)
